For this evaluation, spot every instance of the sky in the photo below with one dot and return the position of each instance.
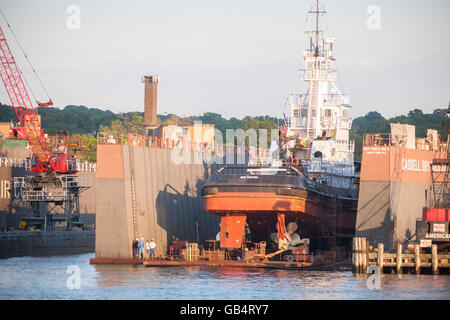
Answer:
(233, 57)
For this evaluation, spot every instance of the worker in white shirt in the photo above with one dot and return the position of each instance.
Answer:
(147, 248)
(152, 248)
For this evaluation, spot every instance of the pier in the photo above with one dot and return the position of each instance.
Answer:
(398, 262)
(211, 258)
(224, 263)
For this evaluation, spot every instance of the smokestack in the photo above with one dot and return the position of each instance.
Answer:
(150, 100)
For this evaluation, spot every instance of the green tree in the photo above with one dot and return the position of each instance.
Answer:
(91, 146)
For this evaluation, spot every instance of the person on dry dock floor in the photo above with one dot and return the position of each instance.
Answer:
(141, 248)
(152, 248)
(135, 247)
(147, 248)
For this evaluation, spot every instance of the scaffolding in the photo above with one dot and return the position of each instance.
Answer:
(52, 192)
(439, 182)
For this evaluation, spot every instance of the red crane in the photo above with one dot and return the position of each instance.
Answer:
(44, 160)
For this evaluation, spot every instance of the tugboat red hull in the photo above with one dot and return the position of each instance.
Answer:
(254, 205)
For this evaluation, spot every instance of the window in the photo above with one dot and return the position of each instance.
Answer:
(296, 113)
(345, 113)
(304, 112)
(327, 113)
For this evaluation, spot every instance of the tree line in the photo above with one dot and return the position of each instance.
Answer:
(89, 121)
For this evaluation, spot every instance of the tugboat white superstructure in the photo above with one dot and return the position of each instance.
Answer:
(319, 123)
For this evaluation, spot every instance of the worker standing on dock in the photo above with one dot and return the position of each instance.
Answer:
(147, 248)
(141, 248)
(152, 248)
(135, 247)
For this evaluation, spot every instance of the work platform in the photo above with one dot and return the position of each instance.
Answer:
(224, 263)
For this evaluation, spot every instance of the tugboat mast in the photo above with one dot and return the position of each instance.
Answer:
(317, 28)
(323, 108)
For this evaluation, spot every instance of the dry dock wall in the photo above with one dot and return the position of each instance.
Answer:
(141, 192)
(394, 183)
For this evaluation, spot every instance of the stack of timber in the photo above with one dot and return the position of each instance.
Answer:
(192, 252)
(399, 262)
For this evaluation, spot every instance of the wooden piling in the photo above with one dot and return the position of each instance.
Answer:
(368, 252)
(434, 259)
(355, 256)
(417, 258)
(363, 256)
(399, 258)
(358, 254)
(380, 256)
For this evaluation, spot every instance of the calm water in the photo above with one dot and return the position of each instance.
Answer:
(47, 277)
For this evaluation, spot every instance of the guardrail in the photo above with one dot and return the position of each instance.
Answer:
(386, 139)
(81, 166)
(105, 138)
(13, 162)
(60, 190)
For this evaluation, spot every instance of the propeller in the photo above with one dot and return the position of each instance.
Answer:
(292, 238)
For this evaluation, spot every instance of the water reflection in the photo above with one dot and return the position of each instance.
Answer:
(45, 278)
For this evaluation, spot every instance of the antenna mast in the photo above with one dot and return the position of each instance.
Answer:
(317, 28)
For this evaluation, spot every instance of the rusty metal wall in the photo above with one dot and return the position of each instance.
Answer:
(149, 196)
(45, 243)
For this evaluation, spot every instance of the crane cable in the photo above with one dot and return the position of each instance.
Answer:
(29, 63)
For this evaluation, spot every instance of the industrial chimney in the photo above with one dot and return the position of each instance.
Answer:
(150, 103)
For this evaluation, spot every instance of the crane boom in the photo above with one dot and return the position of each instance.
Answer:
(30, 126)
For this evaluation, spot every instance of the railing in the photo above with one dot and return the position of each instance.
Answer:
(350, 191)
(344, 123)
(319, 75)
(345, 145)
(104, 138)
(325, 122)
(329, 167)
(377, 139)
(82, 166)
(386, 139)
(301, 122)
(77, 182)
(328, 99)
(14, 163)
(60, 191)
(333, 122)
(335, 99)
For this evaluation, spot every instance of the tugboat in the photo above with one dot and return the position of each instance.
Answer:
(307, 192)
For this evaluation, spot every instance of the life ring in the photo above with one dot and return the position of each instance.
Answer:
(295, 162)
(290, 258)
